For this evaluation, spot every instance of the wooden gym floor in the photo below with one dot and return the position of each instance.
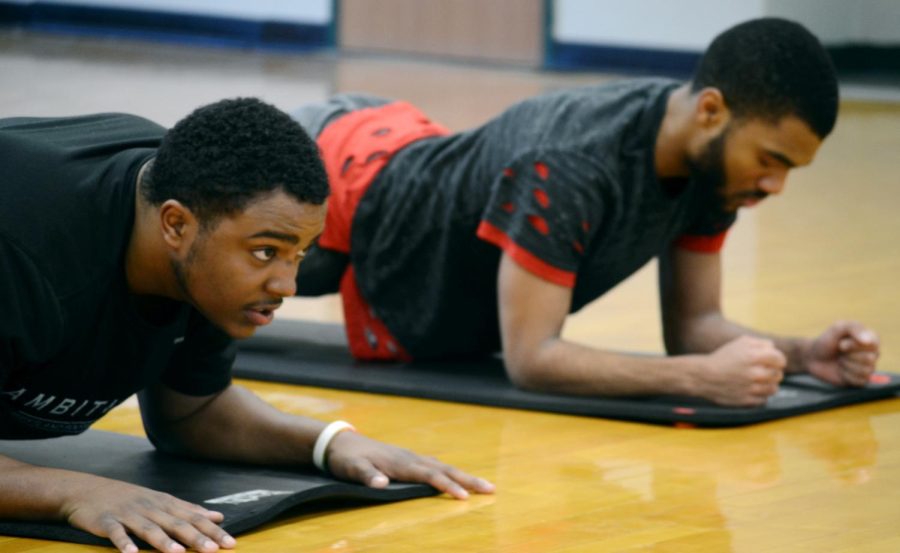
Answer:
(828, 248)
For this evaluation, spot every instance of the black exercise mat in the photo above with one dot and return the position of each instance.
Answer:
(314, 354)
(247, 496)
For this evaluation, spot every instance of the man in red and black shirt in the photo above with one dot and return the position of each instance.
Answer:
(463, 244)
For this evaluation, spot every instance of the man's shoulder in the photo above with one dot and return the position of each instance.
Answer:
(614, 107)
(35, 150)
(66, 190)
(86, 126)
(592, 118)
(42, 147)
(600, 95)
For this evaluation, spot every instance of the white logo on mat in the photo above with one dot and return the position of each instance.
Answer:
(784, 394)
(245, 497)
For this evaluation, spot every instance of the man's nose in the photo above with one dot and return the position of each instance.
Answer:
(283, 282)
(772, 184)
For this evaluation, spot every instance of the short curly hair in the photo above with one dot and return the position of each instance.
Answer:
(223, 155)
(771, 68)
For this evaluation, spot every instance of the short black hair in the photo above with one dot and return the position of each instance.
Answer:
(223, 155)
(772, 68)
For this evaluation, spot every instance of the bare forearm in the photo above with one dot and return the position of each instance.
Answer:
(30, 492)
(744, 372)
(566, 367)
(707, 333)
(238, 426)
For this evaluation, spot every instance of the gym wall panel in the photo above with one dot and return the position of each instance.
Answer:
(657, 24)
(662, 36)
(509, 31)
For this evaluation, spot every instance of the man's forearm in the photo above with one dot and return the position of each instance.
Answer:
(238, 426)
(30, 492)
(744, 372)
(566, 367)
(709, 332)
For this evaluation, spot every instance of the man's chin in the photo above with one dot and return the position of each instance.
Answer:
(236, 331)
(734, 204)
(244, 333)
(245, 324)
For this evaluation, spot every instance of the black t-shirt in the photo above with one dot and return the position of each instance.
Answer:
(564, 183)
(72, 343)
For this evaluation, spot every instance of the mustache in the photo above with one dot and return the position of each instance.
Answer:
(755, 194)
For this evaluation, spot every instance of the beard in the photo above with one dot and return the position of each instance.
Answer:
(707, 171)
(181, 270)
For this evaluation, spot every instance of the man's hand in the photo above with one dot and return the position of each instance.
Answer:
(743, 373)
(844, 355)
(112, 509)
(354, 457)
(238, 426)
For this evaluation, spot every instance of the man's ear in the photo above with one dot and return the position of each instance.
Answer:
(178, 224)
(711, 113)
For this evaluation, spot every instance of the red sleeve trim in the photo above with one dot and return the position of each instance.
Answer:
(526, 259)
(702, 244)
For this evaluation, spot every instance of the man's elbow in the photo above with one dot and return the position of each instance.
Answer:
(525, 369)
(685, 336)
(165, 440)
(675, 341)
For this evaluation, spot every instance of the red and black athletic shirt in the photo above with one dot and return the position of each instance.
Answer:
(72, 344)
(564, 183)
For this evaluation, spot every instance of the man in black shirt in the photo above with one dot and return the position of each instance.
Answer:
(130, 260)
(460, 244)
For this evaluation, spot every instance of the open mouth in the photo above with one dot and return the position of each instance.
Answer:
(750, 202)
(751, 199)
(261, 315)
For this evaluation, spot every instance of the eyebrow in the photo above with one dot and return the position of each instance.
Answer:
(284, 237)
(783, 159)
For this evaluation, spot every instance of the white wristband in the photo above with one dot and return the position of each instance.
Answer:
(328, 433)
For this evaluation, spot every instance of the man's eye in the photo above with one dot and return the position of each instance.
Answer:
(264, 254)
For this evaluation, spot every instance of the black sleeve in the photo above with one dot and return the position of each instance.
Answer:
(30, 316)
(707, 232)
(201, 364)
(542, 212)
(711, 222)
